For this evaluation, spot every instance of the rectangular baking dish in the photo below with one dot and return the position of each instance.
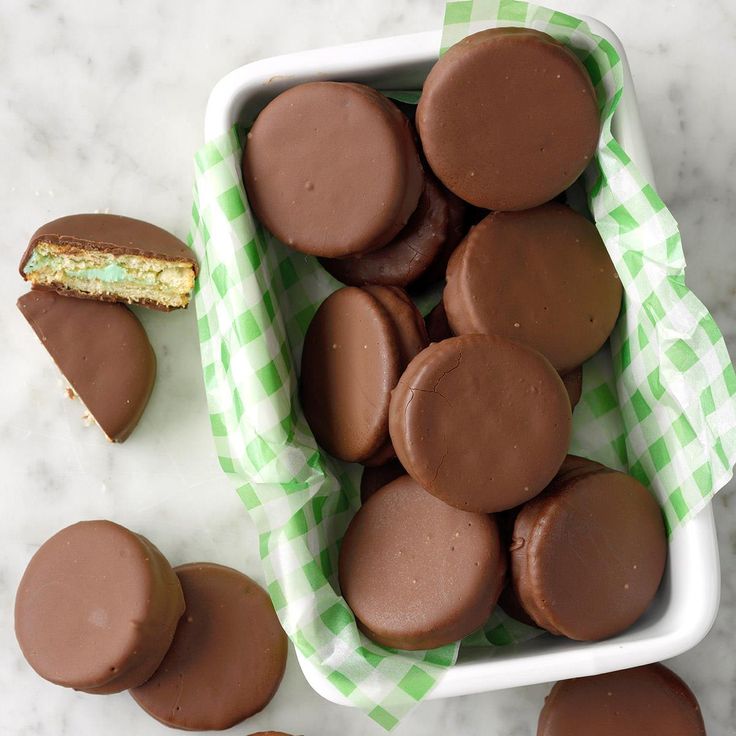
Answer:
(687, 602)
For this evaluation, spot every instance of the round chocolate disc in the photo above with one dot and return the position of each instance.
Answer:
(77, 599)
(332, 169)
(573, 381)
(376, 477)
(508, 118)
(588, 554)
(416, 572)
(481, 422)
(350, 363)
(541, 277)
(649, 700)
(227, 657)
(408, 255)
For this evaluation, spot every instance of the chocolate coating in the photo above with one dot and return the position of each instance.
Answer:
(376, 477)
(77, 599)
(589, 554)
(409, 254)
(438, 328)
(508, 600)
(227, 658)
(541, 277)
(407, 320)
(481, 422)
(350, 363)
(574, 466)
(103, 352)
(573, 381)
(416, 572)
(511, 605)
(114, 234)
(332, 169)
(458, 224)
(649, 700)
(412, 337)
(383, 455)
(508, 118)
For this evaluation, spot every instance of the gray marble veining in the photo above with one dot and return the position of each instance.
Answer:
(101, 108)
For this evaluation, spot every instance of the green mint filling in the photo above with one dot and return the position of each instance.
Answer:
(112, 273)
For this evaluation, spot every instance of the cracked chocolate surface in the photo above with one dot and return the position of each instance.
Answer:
(481, 422)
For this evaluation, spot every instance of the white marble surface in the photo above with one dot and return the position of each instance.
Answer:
(101, 107)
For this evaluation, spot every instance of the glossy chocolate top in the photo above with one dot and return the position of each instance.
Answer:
(649, 700)
(508, 118)
(541, 277)
(77, 599)
(350, 362)
(227, 658)
(332, 168)
(588, 554)
(481, 422)
(416, 572)
(103, 352)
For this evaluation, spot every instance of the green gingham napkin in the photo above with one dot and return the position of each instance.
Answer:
(660, 403)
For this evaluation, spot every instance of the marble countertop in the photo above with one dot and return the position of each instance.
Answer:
(101, 108)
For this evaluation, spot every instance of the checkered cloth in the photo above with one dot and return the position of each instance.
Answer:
(660, 403)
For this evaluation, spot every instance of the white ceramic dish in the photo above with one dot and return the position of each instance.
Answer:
(687, 602)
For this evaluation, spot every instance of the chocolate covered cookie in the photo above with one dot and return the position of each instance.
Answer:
(649, 700)
(332, 169)
(350, 363)
(227, 657)
(103, 352)
(409, 254)
(111, 258)
(508, 118)
(481, 422)
(572, 466)
(78, 600)
(588, 554)
(416, 572)
(541, 277)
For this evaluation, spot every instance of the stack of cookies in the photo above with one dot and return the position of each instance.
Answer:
(83, 270)
(101, 610)
(463, 422)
